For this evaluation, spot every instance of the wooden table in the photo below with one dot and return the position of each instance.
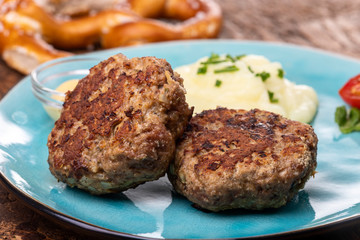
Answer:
(326, 24)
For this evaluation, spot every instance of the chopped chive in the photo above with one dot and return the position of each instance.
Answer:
(231, 58)
(240, 56)
(271, 97)
(202, 69)
(231, 68)
(264, 75)
(218, 83)
(214, 61)
(214, 56)
(280, 73)
(250, 69)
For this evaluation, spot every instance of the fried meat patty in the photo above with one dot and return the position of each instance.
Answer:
(118, 126)
(243, 159)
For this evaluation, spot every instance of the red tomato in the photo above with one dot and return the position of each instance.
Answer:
(350, 92)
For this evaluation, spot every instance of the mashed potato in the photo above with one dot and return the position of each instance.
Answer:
(246, 82)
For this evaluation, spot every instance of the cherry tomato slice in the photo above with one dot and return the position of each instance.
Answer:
(350, 92)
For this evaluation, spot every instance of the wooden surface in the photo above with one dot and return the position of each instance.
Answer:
(326, 24)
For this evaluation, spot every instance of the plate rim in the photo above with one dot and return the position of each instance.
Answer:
(89, 228)
(83, 227)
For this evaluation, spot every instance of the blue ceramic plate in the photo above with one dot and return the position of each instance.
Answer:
(153, 210)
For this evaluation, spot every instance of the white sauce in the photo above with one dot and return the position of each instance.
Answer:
(242, 89)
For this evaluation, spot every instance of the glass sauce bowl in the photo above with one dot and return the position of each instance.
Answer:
(46, 78)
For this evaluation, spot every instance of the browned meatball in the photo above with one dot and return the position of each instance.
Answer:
(118, 127)
(243, 159)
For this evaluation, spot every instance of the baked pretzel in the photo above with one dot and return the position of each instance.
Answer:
(202, 22)
(33, 31)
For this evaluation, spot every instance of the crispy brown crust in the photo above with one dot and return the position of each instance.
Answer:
(118, 127)
(249, 159)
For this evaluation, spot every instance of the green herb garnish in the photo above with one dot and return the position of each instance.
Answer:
(215, 59)
(250, 69)
(348, 121)
(218, 83)
(202, 69)
(271, 97)
(231, 68)
(264, 75)
(280, 73)
(231, 58)
(214, 56)
(238, 57)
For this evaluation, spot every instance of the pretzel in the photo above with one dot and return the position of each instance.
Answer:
(34, 31)
(202, 22)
